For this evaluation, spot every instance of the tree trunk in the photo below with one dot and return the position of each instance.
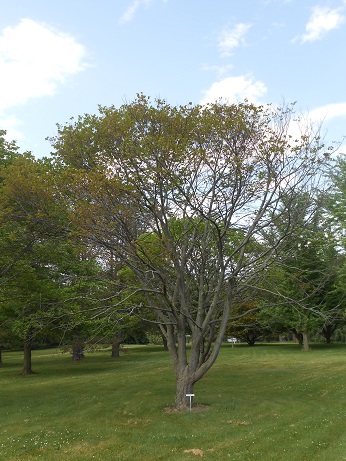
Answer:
(176, 343)
(116, 343)
(184, 386)
(306, 341)
(27, 367)
(190, 366)
(299, 337)
(77, 349)
(327, 331)
(164, 342)
(251, 339)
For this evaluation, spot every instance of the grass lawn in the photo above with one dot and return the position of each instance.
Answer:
(269, 402)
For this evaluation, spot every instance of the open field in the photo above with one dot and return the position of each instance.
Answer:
(266, 403)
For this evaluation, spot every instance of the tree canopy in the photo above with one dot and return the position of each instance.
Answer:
(198, 202)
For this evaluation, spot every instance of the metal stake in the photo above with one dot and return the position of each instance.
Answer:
(190, 398)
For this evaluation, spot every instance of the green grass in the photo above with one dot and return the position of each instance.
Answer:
(269, 402)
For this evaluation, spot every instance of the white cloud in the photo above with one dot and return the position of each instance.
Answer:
(268, 2)
(320, 120)
(221, 71)
(323, 116)
(132, 9)
(11, 124)
(235, 89)
(34, 60)
(328, 112)
(341, 150)
(322, 21)
(230, 39)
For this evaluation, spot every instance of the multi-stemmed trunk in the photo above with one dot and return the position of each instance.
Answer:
(184, 368)
(184, 387)
(191, 365)
(327, 331)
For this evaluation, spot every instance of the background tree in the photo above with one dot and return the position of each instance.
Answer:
(49, 276)
(308, 279)
(11, 250)
(247, 327)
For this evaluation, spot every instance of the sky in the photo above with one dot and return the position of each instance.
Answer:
(63, 58)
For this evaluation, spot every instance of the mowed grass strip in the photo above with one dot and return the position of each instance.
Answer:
(268, 402)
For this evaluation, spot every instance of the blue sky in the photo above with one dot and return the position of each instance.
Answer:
(60, 59)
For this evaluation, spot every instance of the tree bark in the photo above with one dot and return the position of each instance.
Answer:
(164, 341)
(327, 331)
(77, 349)
(251, 339)
(306, 346)
(116, 343)
(27, 367)
(298, 336)
(191, 367)
(184, 386)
